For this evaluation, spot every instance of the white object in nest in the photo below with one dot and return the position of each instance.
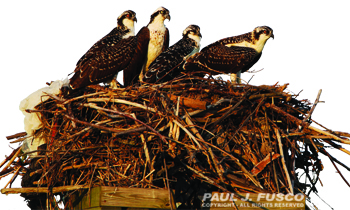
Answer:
(31, 120)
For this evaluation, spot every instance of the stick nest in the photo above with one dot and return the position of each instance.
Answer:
(191, 135)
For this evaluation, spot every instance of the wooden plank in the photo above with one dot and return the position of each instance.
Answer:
(134, 197)
(95, 197)
(114, 198)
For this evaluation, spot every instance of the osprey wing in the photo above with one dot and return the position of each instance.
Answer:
(218, 59)
(106, 59)
(112, 37)
(165, 65)
(132, 72)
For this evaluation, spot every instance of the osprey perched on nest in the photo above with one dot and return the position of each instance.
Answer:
(164, 67)
(108, 56)
(152, 40)
(233, 55)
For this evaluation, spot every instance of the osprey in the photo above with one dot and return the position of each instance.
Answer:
(231, 55)
(151, 41)
(108, 56)
(164, 67)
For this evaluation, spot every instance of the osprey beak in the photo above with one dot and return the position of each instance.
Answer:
(167, 17)
(135, 19)
(273, 37)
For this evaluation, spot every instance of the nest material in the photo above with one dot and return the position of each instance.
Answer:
(193, 136)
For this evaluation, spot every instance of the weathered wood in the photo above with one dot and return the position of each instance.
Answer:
(21, 134)
(190, 102)
(41, 189)
(116, 197)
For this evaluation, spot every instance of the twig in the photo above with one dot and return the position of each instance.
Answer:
(313, 107)
(188, 133)
(18, 150)
(335, 166)
(168, 186)
(113, 100)
(128, 116)
(334, 137)
(17, 135)
(291, 190)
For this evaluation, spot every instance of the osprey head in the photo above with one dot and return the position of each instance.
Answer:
(193, 30)
(263, 32)
(161, 13)
(127, 19)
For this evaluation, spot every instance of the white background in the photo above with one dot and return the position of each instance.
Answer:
(41, 41)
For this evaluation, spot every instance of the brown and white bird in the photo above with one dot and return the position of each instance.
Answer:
(233, 55)
(108, 56)
(168, 64)
(152, 40)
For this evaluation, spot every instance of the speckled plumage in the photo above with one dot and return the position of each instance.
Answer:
(232, 54)
(108, 56)
(164, 67)
(158, 39)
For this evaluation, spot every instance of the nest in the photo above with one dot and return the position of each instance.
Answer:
(193, 135)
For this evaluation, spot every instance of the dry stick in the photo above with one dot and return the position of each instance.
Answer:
(334, 137)
(210, 106)
(273, 163)
(14, 176)
(13, 153)
(335, 166)
(288, 116)
(210, 181)
(17, 135)
(128, 116)
(335, 160)
(224, 116)
(83, 96)
(13, 157)
(268, 95)
(188, 133)
(216, 164)
(54, 97)
(117, 131)
(337, 146)
(304, 124)
(145, 148)
(42, 189)
(313, 107)
(167, 180)
(283, 161)
(314, 145)
(121, 101)
(250, 176)
(244, 122)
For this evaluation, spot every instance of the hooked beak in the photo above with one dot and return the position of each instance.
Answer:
(167, 17)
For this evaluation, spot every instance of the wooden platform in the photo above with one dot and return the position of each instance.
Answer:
(116, 198)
